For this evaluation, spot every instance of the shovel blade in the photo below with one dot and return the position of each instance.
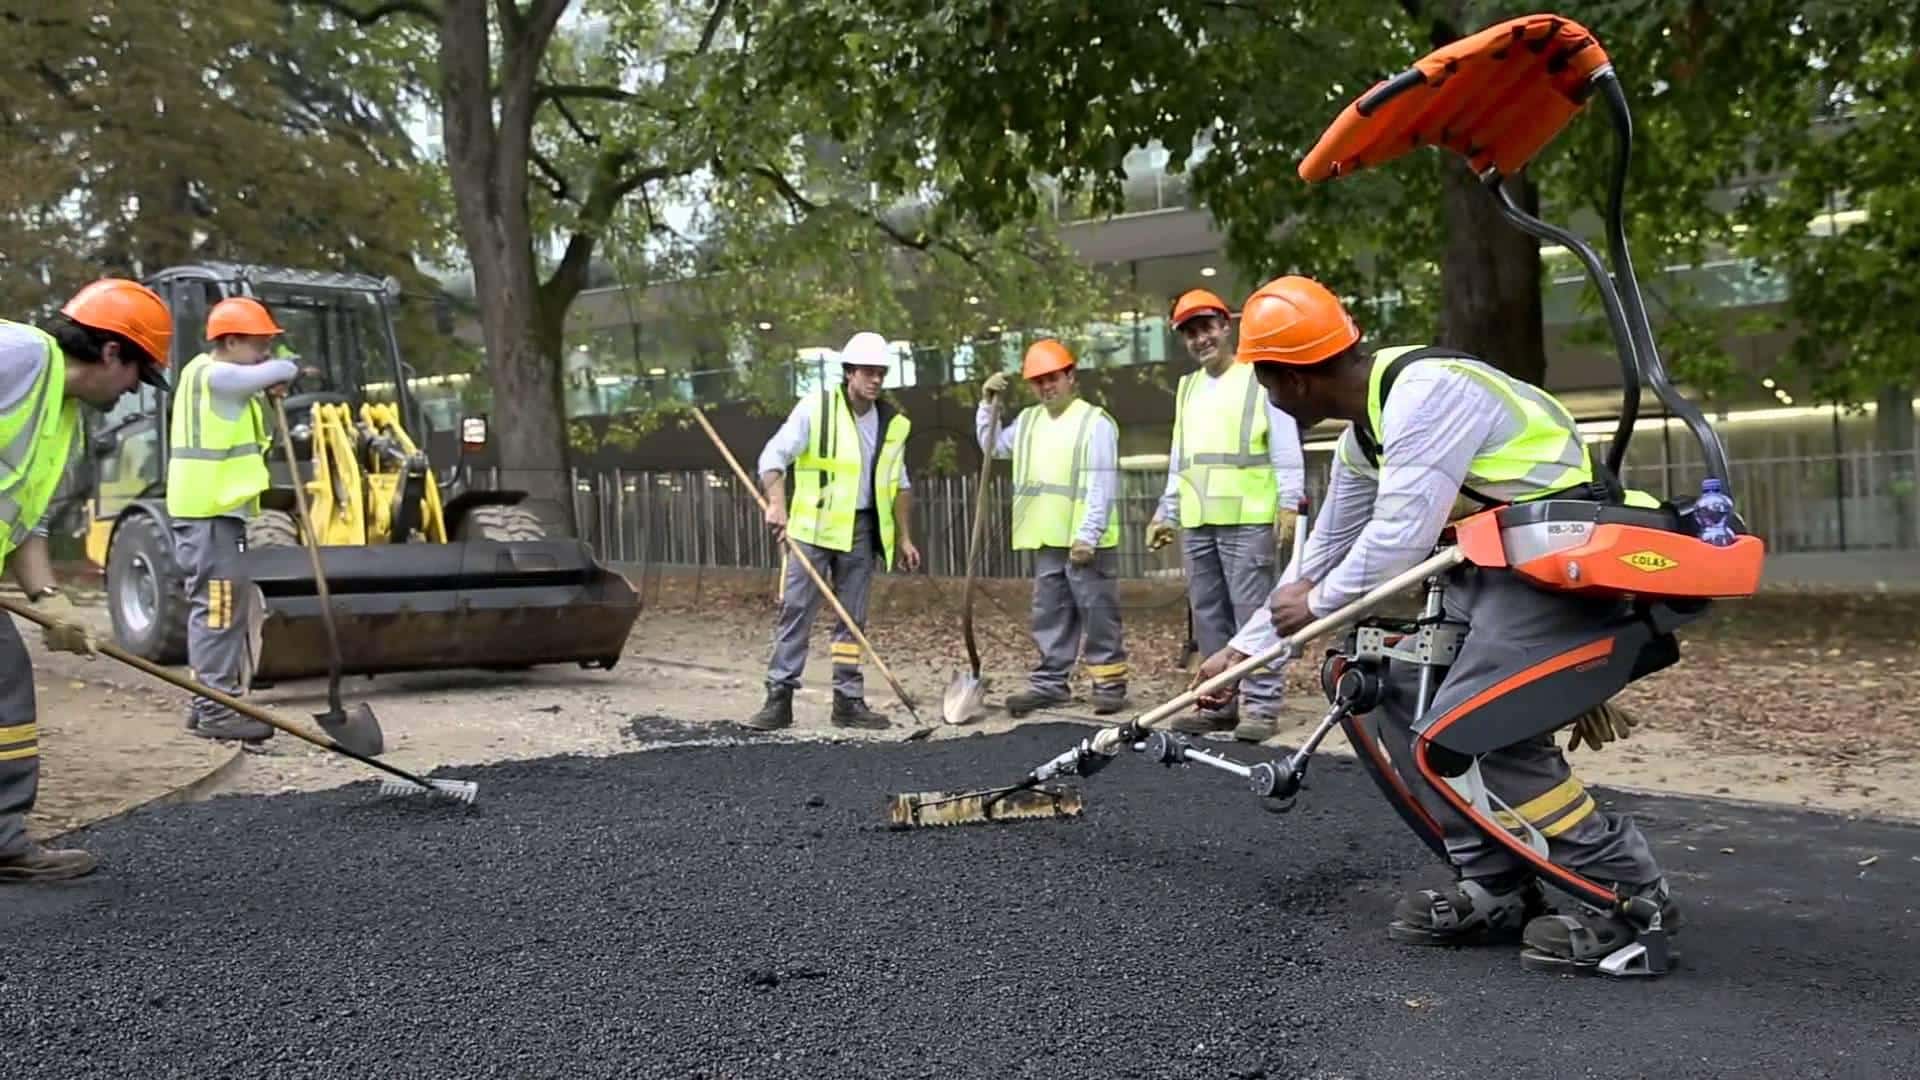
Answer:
(354, 728)
(965, 700)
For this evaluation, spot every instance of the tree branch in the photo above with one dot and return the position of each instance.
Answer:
(713, 25)
(557, 181)
(417, 8)
(922, 242)
(561, 91)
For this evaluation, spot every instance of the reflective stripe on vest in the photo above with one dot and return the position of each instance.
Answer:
(37, 433)
(1225, 476)
(822, 513)
(1051, 480)
(215, 464)
(1547, 455)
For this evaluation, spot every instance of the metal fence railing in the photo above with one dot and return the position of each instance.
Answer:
(1844, 502)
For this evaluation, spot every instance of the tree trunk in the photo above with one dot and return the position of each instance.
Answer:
(487, 165)
(1490, 276)
(1490, 271)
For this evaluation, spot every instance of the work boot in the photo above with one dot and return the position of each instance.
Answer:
(38, 864)
(1203, 721)
(1256, 727)
(1475, 911)
(852, 712)
(775, 713)
(1580, 940)
(1028, 700)
(1108, 699)
(243, 728)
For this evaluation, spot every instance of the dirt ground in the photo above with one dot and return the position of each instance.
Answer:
(1796, 698)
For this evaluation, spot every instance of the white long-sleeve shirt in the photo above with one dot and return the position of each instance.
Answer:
(788, 443)
(1284, 454)
(1375, 525)
(1102, 464)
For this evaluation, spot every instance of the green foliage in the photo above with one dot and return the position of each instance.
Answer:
(141, 135)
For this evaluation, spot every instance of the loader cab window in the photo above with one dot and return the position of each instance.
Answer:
(337, 331)
(125, 443)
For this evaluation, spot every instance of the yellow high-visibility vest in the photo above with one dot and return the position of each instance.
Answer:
(37, 433)
(1050, 478)
(216, 465)
(827, 475)
(1224, 473)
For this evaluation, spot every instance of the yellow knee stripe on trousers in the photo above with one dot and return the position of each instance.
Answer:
(19, 741)
(846, 652)
(1107, 671)
(1562, 807)
(219, 604)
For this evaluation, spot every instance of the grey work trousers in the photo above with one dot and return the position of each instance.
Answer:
(219, 606)
(1076, 613)
(1230, 576)
(850, 574)
(1506, 617)
(19, 740)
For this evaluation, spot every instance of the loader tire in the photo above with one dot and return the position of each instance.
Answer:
(272, 528)
(147, 591)
(503, 523)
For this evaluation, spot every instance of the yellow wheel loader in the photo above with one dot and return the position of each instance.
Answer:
(424, 571)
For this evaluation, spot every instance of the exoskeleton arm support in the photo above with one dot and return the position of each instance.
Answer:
(1093, 753)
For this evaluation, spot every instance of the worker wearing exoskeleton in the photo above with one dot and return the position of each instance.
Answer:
(1428, 426)
(110, 336)
(216, 470)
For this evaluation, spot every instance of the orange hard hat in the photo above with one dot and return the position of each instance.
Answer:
(1198, 302)
(1045, 357)
(1294, 320)
(240, 315)
(130, 309)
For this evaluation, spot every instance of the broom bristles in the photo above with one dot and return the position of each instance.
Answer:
(939, 808)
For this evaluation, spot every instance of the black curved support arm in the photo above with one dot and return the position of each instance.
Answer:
(1652, 368)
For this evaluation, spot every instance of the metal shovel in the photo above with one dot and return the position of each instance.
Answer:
(966, 694)
(356, 729)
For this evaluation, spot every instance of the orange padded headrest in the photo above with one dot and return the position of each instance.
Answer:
(1495, 98)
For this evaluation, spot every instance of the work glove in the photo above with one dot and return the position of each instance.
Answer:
(1159, 534)
(995, 384)
(1601, 725)
(69, 632)
(1284, 524)
(1081, 553)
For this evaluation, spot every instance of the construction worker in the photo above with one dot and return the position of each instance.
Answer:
(1427, 426)
(851, 499)
(215, 474)
(1235, 478)
(111, 335)
(1066, 456)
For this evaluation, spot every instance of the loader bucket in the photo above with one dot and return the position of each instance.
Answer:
(423, 607)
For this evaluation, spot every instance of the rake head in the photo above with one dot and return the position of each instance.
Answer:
(459, 790)
(923, 808)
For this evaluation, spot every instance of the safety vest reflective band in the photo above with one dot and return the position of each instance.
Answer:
(827, 475)
(1051, 480)
(1225, 475)
(37, 433)
(216, 464)
(1545, 456)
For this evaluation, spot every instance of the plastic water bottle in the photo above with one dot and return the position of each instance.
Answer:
(1714, 512)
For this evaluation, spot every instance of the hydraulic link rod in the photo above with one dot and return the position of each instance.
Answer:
(1268, 779)
(1092, 754)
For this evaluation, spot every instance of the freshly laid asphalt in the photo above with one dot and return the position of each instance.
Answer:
(745, 911)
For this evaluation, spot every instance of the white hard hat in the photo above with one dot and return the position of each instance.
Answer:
(867, 349)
